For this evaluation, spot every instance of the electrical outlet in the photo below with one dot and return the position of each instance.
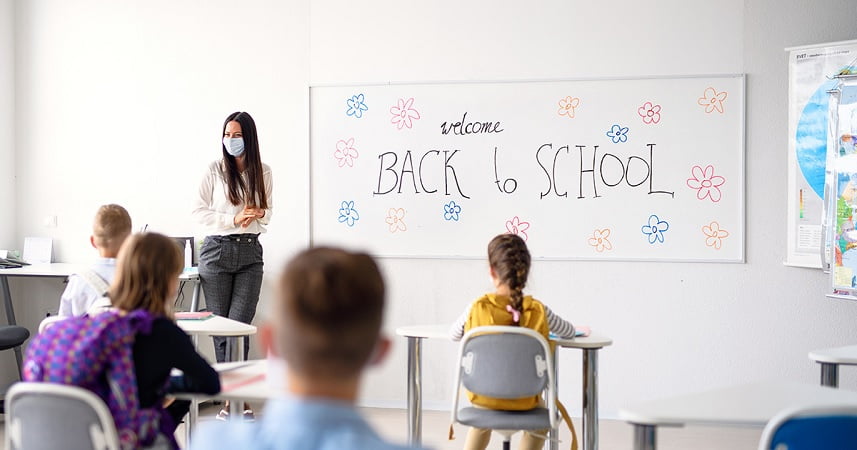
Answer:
(50, 221)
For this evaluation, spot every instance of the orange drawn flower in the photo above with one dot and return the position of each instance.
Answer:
(599, 240)
(395, 219)
(712, 100)
(567, 105)
(714, 235)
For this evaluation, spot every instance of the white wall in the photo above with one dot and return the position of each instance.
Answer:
(137, 94)
(7, 124)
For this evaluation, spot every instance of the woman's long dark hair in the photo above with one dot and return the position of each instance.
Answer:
(253, 192)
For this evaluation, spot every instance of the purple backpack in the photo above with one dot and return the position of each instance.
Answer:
(96, 353)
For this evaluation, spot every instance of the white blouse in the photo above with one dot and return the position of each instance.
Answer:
(216, 213)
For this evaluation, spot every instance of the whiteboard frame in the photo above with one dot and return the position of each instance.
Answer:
(742, 161)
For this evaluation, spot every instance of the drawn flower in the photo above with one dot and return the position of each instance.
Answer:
(650, 113)
(706, 183)
(599, 240)
(712, 100)
(618, 134)
(517, 226)
(348, 214)
(655, 229)
(395, 219)
(714, 235)
(451, 211)
(356, 105)
(567, 105)
(404, 114)
(345, 152)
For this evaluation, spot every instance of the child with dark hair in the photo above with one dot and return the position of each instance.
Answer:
(509, 265)
(326, 324)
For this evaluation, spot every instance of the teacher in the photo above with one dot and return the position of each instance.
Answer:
(234, 205)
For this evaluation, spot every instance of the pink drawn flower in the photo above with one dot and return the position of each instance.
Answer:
(706, 183)
(650, 113)
(567, 105)
(517, 226)
(395, 219)
(599, 240)
(404, 114)
(712, 100)
(714, 235)
(345, 152)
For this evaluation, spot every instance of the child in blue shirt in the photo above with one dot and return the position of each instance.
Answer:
(111, 226)
(326, 324)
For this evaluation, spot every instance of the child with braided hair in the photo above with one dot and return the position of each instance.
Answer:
(509, 265)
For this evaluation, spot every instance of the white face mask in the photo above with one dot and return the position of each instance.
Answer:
(234, 146)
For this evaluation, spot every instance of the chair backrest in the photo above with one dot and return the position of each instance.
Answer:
(50, 416)
(49, 321)
(505, 362)
(830, 428)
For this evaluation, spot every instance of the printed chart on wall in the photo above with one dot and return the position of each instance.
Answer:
(811, 71)
(634, 169)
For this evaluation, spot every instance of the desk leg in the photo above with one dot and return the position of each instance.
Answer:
(644, 437)
(554, 432)
(415, 391)
(830, 374)
(193, 414)
(10, 317)
(194, 301)
(590, 399)
(236, 407)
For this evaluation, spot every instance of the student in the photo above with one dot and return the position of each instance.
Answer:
(111, 226)
(509, 265)
(136, 341)
(326, 324)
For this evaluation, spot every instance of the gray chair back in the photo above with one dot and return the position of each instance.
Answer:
(51, 416)
(504, 365)
(505, 362)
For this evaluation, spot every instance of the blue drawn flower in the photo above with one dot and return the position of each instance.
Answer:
(451, 211)
(356, 106)
(618, 134)
(655, 229)
(348, 214)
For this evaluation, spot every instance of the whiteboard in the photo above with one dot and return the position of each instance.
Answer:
(624, 169)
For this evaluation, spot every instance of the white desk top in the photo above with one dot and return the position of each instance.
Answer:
(45, 270)
(63, 270)
(744, 405)
(241, 381)
(442, 332)
(216, 326)
(837, 355)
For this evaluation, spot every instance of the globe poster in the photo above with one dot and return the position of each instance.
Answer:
(811, 72)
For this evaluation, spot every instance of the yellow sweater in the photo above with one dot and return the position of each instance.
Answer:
(490, 309)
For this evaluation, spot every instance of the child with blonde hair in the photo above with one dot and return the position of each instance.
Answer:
(126, 354)
(111, 226)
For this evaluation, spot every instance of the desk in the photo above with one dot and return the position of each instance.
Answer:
(216, 326)
(830, 360)
(746, 405)
(62, 270)
(589, 345)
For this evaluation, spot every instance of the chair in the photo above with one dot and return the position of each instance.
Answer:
(47, 322)
(829, 428)
(505, 362)
(50, 416)
(13, 336)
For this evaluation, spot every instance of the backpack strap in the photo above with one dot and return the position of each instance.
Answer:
(94, 280)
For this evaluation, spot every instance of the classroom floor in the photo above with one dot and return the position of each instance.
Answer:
(614, 434)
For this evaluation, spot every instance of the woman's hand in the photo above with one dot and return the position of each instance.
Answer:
(248, 215)
(244, 218)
